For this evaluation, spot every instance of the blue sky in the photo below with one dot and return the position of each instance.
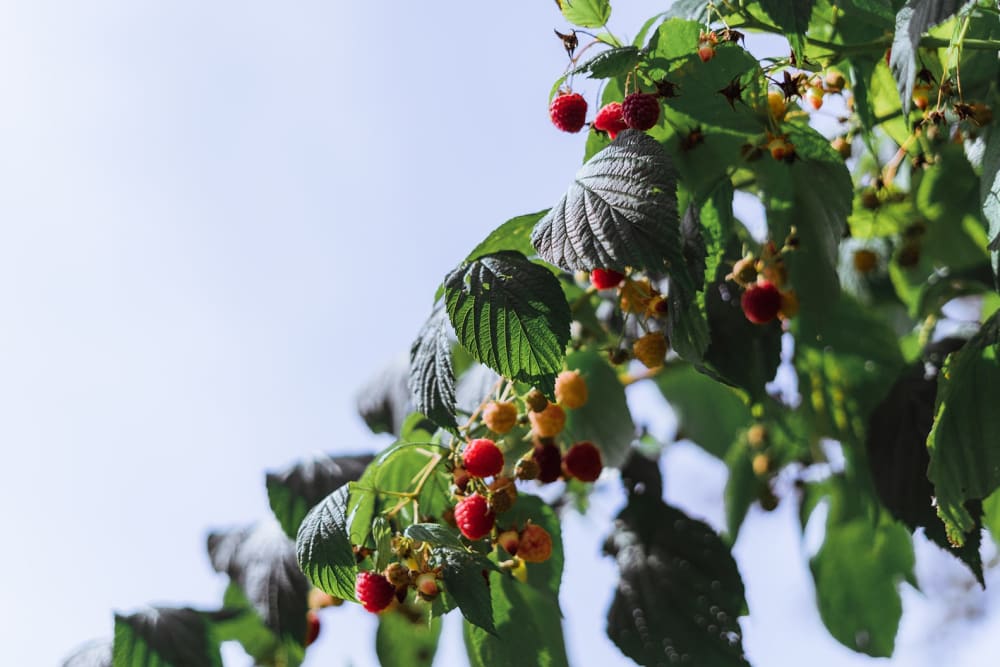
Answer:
(217, 220)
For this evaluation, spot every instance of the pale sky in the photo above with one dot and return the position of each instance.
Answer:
(217, 220)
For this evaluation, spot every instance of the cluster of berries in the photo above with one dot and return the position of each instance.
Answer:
(764, 279)
(377, 590)
(639, 297)
(639, 111)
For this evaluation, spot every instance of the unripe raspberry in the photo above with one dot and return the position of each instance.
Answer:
(922, 96)
(568, 112)
(374, 591)
(312, 627)
(814, 96)
(571, 390)
(776, 104)
(636, 296)
(865, 260)
(482, 458)
(474, 518)
(427, 586)
(503, 493)
(762, 464)
(842, 146)
(549, 460)
(757, 436)
(535, 544)
(706, 46)
(609, 119)
(536, 401)
(744, 272)
(398, 575)
(641, 111)
(509, 540)
(500, 417)
(526, 468)
(650, 349)
(780, 148)
(606, 278)
(549, 422)
(583, 461)
(834, 80)
(761, 302)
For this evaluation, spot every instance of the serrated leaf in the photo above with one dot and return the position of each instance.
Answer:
(610, 63)
(604, 419)
(464, 579)
(261, 561)
(586, 13)
(511, 315)
(294, 491)
(434, 534)
(708, 412)
(679, 593)
(792, 18)
(989, 196)
(382, 532)
(965, 462)
(385, 399)
(432, 375)
(92, 654)
(620, 211)
(165, 637)
(912, 21)
(692, 10)
(323, 546)
(405, 638)
(515, 234)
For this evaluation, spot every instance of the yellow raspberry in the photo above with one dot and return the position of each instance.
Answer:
(500, 417)
(549, 422)
(650, 349)
(571, 390)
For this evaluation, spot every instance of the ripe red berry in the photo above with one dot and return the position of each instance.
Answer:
(482, 458)
(549, 460)
(374, 591)
(606, 278)
(312, 627)
(761, 302)
(568, 112)
(610, 120)
(474, 517)
(641, 110)
(535, 545)
(583, 461)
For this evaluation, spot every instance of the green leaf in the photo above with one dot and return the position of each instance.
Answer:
(989, 196)
(620, 211)
(511, 315)
(395, 471)
(965, 462)
(385, 399)
(239, 621)
(323, 546)
(515, 234)
(708, 413)
(675, 39)
(260, 560)
(92, 654)
(406, 639)
(792, 18)
(604, 419)
(743, 487)
(434, 534)
(432, 376)
(294, 491)
(857, 572)
(586, 13)
(464, 579)
(165, 637)
(693, 10)
(610, 63)
(382, 533)
(679, 593)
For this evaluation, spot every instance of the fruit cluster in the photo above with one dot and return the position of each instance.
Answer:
(764, 279)
(637, 297)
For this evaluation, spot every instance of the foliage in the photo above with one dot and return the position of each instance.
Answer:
(868, 233)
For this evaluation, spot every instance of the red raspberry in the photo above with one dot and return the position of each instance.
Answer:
(535, 545)
(374, 591)
(568, 112)
(482, 458)
(583, 461)
(641, 110)
(549, 460)
(761, 302)
(610, 120)
(605, 278)
(312, 627)
(474, 517)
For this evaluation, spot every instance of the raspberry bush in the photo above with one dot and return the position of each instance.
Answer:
(873, 231)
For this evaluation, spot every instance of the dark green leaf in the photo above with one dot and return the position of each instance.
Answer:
(693, 10)
(93, 654)
(294, 491)
(965, 462)
(610, 63)
(165, 637)
(708, 413)
(385, 400)
(620, 211)
(511, 315)
(679, 593)
(382, 533)
(435, 534)
(515, 234)
(432, 377)
(405, 638)
(261, 561)
(989, 196)
(879, 11)
(586, 13)
(605, 419)
(465, 579)
(743, 487)
(239, 621)
(323, 546)
(394, 472)
(792, 18)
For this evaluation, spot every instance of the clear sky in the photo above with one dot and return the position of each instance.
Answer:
(217, 219)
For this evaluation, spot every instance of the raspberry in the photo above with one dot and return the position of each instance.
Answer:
(427, 586)
(641, 110)
(636, 295)
(835, 81)
(814, 96)
(527, 468)
(610, 120)
(500, 417)
(536, 401)
(842, 146)
(549, 422)
(397, 574)
(706, 45)
(571, 390)
(922, 95)
(503, 493)
(509, 540)
(650, 349)
(776, 104)
(374, 591)
(535, 545)
(780, 148)
(568, 112)
(583, 461)
(605, 278)
(312, 627)
(865, 260)
(482, 458)
(761, 302)
(474, 517)
(549, 460)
